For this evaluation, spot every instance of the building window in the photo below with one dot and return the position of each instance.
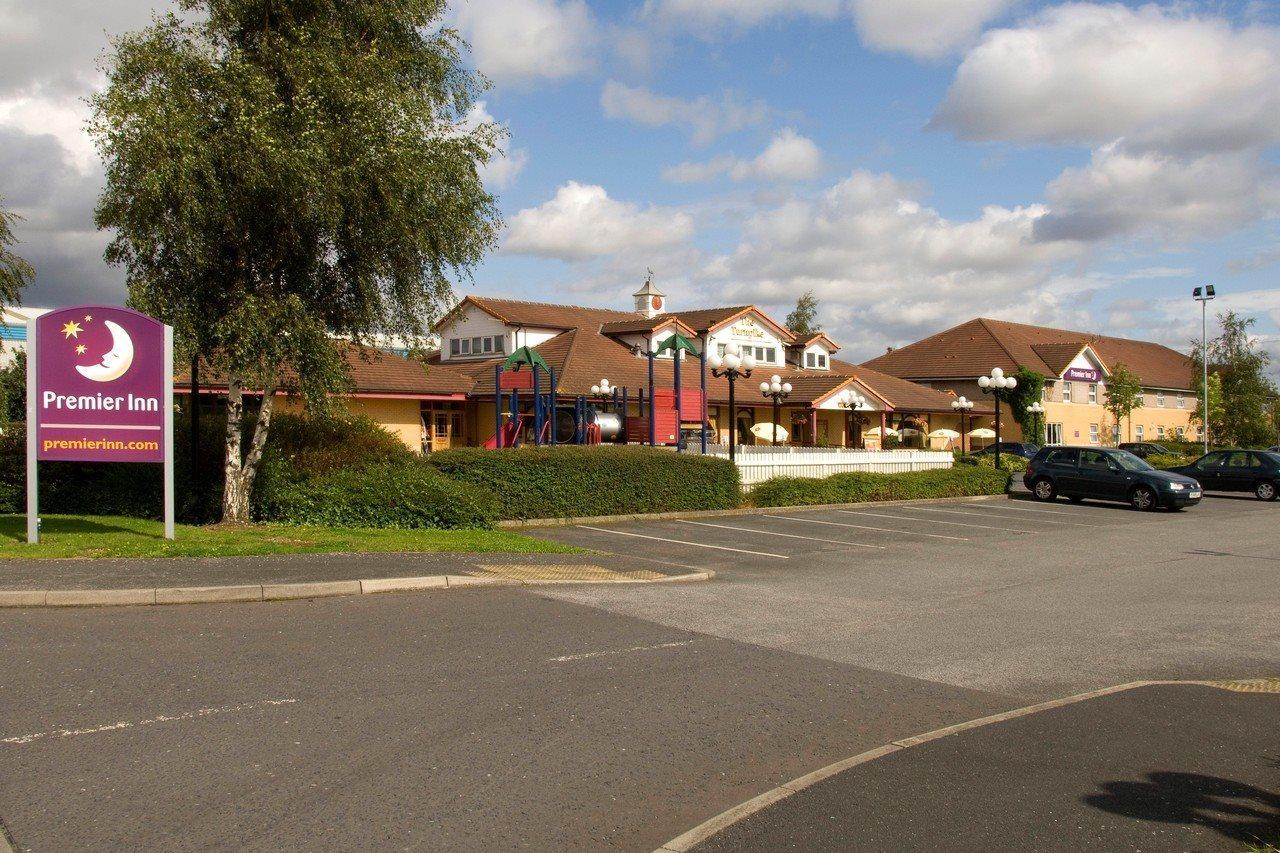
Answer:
(1160, 433)
(1066, 392)
(478, 346)
(1182, 402)
(1115, 433)
(1182, 433)
(488, 344)
(500, 344)
(1160, 399)
(1093, 434)
(1138, 431)
(1044, 393)
(815, 360)
(1093, 394)
(455, 346)
(1053, 433)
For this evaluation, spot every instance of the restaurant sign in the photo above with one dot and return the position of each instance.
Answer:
(99, 389)
(1081, 374)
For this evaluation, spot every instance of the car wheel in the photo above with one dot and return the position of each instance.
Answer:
(1265, 491)
(1043, 489)
(1143, 499)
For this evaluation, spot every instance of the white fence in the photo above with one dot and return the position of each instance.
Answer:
(757, 464)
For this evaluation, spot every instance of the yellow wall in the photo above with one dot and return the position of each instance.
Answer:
(399, 417)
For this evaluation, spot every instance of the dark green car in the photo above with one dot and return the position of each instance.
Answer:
(1107, 474)
(1256, 471)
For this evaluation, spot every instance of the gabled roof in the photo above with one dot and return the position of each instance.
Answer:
(543, 315)
(971, 349)
(704, 320)
(832, 346)
(646, 325)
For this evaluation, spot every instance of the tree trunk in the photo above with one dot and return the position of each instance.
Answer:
(240, 469)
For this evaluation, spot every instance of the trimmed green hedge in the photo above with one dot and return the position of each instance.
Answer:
(404, 495)
(573, 482)
(1170, 460)
(857, 487)
(1008, 461)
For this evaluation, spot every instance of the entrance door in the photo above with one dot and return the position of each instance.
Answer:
(446, 428)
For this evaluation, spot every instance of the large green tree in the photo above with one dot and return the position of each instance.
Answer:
(280, 172)
(15, 273)
(1124, 394)
(803, 320)
(1244, 416)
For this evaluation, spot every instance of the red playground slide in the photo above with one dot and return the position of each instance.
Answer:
(510, 431)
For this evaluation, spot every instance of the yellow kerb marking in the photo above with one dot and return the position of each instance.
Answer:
(569, 572)
(1251, 685)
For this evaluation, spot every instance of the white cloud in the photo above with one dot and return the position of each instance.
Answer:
(928, 29)
(520, 41)
(789, 157)
(711, 14)
(582, 222)
(705, 117)
(889, 269)
(1086, 73)
(1121, 193)
(502, 171)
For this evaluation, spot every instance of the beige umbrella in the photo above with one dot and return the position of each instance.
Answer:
(887, 431)
(982, 432)
(765, 432)
(944, 433)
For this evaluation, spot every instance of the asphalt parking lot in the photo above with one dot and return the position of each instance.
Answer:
(1000, 594)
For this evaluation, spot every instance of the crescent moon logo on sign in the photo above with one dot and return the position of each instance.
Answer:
(116, 362)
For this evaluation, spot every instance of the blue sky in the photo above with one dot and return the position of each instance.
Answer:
(914, 162)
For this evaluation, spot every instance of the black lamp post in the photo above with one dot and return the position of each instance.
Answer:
(776, 390)
(962, 407)
(994, 385)
(733, 365)
(851, 401)
(1037, 417)
(604, 392)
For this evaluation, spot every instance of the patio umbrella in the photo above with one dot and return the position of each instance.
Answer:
(982, 432)
(944, 433)
(887, 431)
(765, 432)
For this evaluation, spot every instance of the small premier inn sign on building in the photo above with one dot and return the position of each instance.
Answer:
(99, 389)
(1081, 374)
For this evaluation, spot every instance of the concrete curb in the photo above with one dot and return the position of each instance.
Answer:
(284, 591)
(703, 831)
(534, 523)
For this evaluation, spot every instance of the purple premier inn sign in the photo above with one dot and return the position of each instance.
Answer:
(99, 389)
(1081, 374)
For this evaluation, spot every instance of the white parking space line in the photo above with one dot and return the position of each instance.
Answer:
(682, 542)
(867, 527)
(199, 713)
(979, 515)
(934, 521)
(787, 535)
(1009, 505)
(611, 652)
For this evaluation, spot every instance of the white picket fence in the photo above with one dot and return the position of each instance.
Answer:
(757, 464)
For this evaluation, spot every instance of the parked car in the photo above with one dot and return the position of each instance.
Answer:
(1256, 471)
(1013, 448)
(1275, 449)
(1107, 474)
(1143, 449)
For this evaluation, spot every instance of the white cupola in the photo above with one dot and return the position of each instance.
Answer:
(650, 302)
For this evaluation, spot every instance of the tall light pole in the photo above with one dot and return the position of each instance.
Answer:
(962, 407)
(1037, 412)
(994, 384)
(603, 392)
(777, 390)
(852, 401)
(1203, 295)
(733, 365)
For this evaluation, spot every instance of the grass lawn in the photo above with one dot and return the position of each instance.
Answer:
(116, 536)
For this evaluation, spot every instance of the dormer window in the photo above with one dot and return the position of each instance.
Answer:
(815, 360)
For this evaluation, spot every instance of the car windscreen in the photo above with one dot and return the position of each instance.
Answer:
(1129, 462)
(1273, 455)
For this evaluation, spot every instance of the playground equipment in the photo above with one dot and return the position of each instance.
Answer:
(671, 408)
(545, 419)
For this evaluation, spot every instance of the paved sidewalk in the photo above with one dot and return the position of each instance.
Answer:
(1163, 767)
(134, 573)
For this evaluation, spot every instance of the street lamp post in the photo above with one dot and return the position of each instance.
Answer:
(962, 407)
(604, 392)
(994, 384)
(851, 401)
(776, 390)
(1203, 295)
(1037, 412)
(733, 365)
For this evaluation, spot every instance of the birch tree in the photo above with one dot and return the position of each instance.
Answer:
(280, 172)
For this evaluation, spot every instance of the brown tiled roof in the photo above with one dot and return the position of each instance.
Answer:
(818, 336)
(973, 348)
(544, 314)
(704, 319)
(902, 394)
(645, 324)
(372, 371)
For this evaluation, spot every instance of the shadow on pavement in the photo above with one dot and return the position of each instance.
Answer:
(1235, 810)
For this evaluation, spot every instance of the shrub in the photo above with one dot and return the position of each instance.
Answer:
(1008, 461)
(553, 482)
(401, 495)
(857, 487)
(317, 445)
(1169, 460)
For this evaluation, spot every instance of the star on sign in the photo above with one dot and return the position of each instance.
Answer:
(71, 330)
(81, 349)
(88, 317)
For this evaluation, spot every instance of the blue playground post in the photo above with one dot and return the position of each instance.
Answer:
(702, 362)
(653, 410)
(497, 402)
(551, 375)
(675, 354)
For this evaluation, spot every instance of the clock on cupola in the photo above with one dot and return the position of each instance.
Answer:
(650, 302)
